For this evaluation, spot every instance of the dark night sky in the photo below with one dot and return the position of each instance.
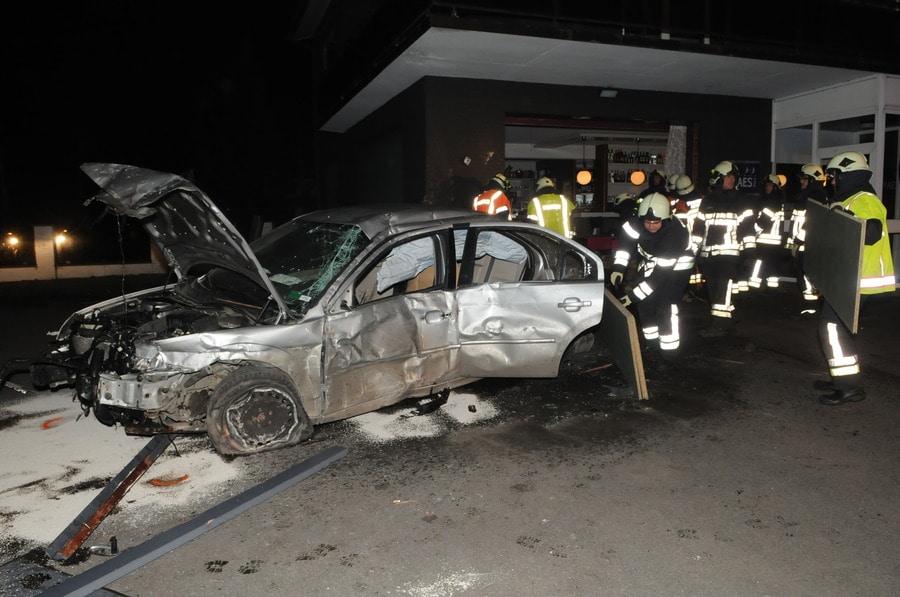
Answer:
(199, 88)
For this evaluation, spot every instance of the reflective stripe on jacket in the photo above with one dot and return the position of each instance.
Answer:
(724, 224)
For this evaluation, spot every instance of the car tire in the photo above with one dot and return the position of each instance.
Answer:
(256, 409)
(579, 351)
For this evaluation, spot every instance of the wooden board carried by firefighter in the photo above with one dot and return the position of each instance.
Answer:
(833, 260)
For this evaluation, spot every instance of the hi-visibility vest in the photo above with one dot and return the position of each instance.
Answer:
(878, 264)
(552, 211)
(492, 202)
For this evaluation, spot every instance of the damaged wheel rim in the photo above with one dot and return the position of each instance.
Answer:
(261, 418)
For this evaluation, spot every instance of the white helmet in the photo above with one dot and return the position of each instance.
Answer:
(622, 197)
(672, 183)
(684, 185)
(544, 182)
(655, 206)
(774, 179)
(814, 171)
(723, 169)
(848, 161)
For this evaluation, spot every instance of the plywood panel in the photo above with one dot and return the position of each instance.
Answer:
(619, 333)
(833, 258)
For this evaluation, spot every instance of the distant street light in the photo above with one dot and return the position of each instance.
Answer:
(11, 245)
(62, 241)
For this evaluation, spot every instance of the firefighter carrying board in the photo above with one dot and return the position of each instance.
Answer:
(833, 258)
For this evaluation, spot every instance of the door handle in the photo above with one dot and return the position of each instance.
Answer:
(573, 304)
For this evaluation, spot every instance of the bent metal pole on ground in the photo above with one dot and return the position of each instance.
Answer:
(132, 559)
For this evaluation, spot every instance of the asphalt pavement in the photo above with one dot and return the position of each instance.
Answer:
(731, 480)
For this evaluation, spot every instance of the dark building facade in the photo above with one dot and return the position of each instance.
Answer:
(412, 147)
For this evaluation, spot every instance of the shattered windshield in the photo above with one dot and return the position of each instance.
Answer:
(303, 258)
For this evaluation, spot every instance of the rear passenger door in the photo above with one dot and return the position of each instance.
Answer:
(520, 324)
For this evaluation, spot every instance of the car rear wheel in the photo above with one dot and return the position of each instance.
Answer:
(256, 409)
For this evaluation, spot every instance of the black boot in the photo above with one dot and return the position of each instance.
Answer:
(842, 396)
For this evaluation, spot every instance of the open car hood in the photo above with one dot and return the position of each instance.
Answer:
(179, 217)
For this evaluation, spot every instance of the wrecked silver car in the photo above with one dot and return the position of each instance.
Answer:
(336, 313)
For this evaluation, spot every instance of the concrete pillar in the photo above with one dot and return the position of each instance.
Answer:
(44, 253)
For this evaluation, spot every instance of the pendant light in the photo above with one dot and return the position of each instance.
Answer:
(584, 175)
(637, 177)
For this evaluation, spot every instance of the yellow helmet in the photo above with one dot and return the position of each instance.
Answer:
(813, 171)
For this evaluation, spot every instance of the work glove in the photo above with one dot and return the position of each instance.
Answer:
(616, 278)
(625, 300)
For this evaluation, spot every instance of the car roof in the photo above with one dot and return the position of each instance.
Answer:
(377, 218)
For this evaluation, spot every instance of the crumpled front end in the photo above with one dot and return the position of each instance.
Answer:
(110, 353)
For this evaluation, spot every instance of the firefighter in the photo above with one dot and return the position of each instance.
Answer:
(812, 187)
(493, 200)
(656, 183)
(689, 198)
(660, 244)
(770, 253)
(722, 229)
(550, 209)
(854, 194)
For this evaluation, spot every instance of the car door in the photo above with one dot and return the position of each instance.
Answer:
(521, 327)
(396, 336)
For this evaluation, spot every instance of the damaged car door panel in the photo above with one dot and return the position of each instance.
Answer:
(333, 314)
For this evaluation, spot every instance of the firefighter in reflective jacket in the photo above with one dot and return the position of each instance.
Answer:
(691, 198)
(853, 193)
(493, 200)
(661, 245)
(722, 229)
(812, 186)
(770, 254)
(551, 210)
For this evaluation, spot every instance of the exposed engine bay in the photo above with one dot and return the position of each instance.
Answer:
(99, 347)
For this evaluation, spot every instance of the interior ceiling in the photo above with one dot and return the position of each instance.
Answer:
(480, 55)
